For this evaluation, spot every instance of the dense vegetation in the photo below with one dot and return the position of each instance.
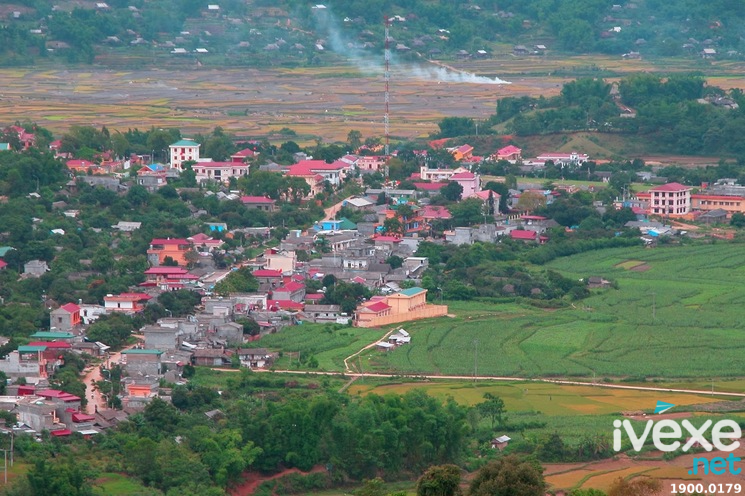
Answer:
(267, 33)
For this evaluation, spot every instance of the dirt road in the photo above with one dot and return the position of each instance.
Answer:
(95, 398)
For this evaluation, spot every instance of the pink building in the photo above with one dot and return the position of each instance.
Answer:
(470, 182)
(670, 199)
(509, 153)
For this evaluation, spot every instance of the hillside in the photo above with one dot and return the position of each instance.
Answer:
(294, 33)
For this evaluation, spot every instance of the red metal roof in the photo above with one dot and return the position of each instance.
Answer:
(378, 306)
(671, 187)
(256, 199)
(51, 344)
(462, 175)
(82, 417)
(284, 305)
(267, 273)
(517, 234)
(315, 296)
(429, 186)
(61, 432)
(3, 264)
(166, 270)
(291, 286)
(70, 307)
(388, 239)
(717, 197)
(509, 150)
(55, 393)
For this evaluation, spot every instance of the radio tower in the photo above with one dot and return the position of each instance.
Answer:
(387, 77)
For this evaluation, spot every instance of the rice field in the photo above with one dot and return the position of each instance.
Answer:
(679, 318)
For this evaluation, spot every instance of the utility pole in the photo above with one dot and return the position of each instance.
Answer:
(654, 307)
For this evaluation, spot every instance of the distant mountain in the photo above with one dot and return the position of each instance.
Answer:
(296, 33)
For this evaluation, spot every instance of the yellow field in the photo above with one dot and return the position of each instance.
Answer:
(550, 399)
(604, 481)
(630, 264)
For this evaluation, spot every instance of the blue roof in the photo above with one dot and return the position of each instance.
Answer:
(155, 167)
(185, 142)
(412, 291)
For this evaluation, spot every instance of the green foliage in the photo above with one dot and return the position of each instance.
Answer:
(451, 127)
(113, 329)
(492, 408)
(509, 476)
(443, 480)
(180, 302)
(238, 281)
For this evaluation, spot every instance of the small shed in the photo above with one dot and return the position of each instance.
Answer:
(500, 442)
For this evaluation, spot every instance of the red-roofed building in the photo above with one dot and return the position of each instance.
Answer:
(83, 166)
(175, 248)
(367, 313)
(509, 153)
(371, 163)
(243, 155)
(3, 264)
(462, 152)
(53, 349)
(203, 242)
(291, 290)
(731, 204)
(289, 305)
(259, 203)
(527, 236)
(27, 139)
(333, 172)
(435, 212)
(219, 171)
(268, 276)
(429, 186)
(65, 318)
(126, 302)
(470, 182)
(670, 199)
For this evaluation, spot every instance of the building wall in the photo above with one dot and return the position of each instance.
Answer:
(61, 320)
(143, 364)
(670, 202)
(176, 252)
(731, 204)
(426, 312)
(161, 340)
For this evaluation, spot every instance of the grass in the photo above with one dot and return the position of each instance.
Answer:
(329, 344)
(693, 331)
(112, 484)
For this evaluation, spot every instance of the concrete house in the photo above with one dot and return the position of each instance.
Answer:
(144, 362)
(35, 268)
(256, 358)
(65, 318)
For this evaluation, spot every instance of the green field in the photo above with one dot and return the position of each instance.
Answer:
(679, 319)
(329, 344)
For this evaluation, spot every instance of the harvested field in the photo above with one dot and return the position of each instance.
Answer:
(313, 102)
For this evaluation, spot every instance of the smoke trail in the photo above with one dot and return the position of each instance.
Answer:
(328, 24)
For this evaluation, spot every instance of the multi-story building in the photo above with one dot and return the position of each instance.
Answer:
(184, 150)
(670, 199)
(161, 248)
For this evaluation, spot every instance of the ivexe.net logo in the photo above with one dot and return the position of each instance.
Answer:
(669, 435)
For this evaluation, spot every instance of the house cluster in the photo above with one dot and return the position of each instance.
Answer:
(711, 203)
(513, 155)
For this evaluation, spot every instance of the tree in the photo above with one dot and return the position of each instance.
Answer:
(737, 220)
(440, 480)
(354, 139)
(452, 127)
(493, 408)
(238, 281)
(393, 226)
(509, 476)
(467, 212)
(530, 201)
(452, 192)
(394, 261)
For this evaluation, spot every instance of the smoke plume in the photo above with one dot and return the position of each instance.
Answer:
(328, 24)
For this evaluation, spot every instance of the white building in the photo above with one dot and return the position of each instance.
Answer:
(184, 151)
(219, 171)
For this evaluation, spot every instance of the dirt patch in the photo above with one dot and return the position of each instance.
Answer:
(630, 264)
(252, 480)
(641, 268)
